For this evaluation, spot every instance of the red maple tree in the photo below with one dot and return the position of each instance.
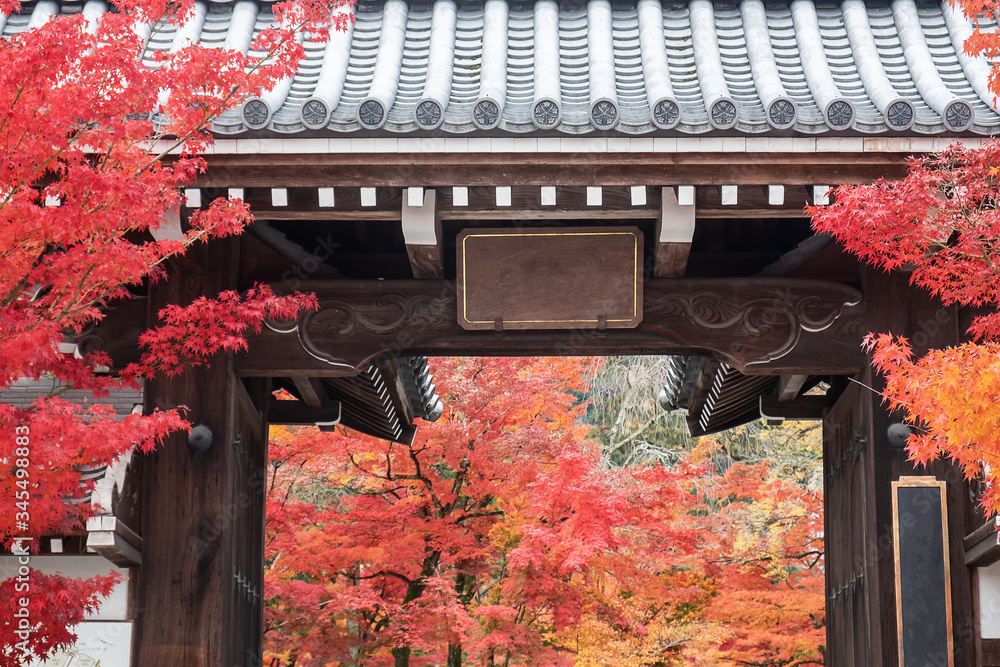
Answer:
(467, 542)
(85, 125)
(498, 538)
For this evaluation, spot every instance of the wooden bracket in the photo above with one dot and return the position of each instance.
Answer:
(171, 228)
(110, 537)
(311, 390)
(982, 546)
(674, 232)
(789, 387)
(422, 233)
(804, 407)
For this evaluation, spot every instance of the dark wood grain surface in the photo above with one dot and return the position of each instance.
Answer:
(759, 325)
(582, 169)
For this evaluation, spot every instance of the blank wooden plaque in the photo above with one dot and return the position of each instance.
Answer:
(923, 579)
(562, 278)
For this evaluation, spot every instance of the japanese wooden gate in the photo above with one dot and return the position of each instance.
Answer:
(199, 587)
(702, 129)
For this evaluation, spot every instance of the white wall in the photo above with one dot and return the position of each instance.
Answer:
(106, 637)
(989, 601)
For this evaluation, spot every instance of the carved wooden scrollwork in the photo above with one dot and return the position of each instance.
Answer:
(769, 326)
(757, 325)
(382, 318)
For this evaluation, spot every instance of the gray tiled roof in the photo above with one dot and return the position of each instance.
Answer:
(591, 66)
(24, 392)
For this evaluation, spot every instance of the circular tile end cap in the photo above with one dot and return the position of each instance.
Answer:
(428, 114)
(839, 114)
(314, 113)
(782, 113)
(723, 114)
(604, 114)
(371, 113)
(666, 113)
(958, 116)
(486, 113)
(256, 113)
(546, 113)
(900, 114)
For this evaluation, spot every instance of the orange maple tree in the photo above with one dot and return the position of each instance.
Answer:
(942, 223)
(87, 117)
(498, 538)
(764, 550)
(751, 593)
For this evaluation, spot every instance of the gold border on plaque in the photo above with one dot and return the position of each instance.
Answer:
(635, 283)
(914, 482)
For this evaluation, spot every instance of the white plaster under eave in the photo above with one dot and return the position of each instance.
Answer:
(590, 145)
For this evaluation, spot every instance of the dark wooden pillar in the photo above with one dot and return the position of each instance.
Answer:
(860, 464)
(199, 598)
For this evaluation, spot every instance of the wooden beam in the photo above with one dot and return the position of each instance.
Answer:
(422, 233)
(310, 263)
(765, 326)
(582, 169)
(312, 391)
(326, 214)
(730, 212)
(299, 413)
(550, 214)
(526, 202)
(789, 387)
(674, 232)
(793, 260)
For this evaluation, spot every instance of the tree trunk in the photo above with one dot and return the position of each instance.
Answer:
(454, 655)
(401, 656)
